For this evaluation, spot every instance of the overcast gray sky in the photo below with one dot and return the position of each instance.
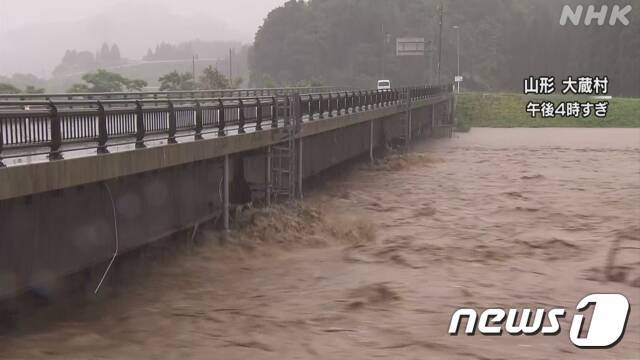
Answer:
(35, 33)
(246, 15)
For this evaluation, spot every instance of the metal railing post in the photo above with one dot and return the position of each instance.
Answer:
(347, 102)
(221, 122)
(1, 143)
(258, 114)
(198, 134)
(172, 124)
(354, 99)
(274, 112)
(311, 105)
(140, 129)
(241, 119)
(321, 106)
(103, 136)
(330, 107)
(287, 111)
(56, 133)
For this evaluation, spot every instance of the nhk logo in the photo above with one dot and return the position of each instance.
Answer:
(607, 327)
(617, 14)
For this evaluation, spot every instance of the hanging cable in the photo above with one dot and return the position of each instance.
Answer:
(220, 189)
(117, 240)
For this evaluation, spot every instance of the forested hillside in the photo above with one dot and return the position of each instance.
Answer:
(352, 42)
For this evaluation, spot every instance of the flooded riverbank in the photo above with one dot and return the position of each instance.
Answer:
(374, 263)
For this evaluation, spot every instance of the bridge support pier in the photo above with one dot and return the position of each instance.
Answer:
(434, 121)
(225, 207)
(267, 177)
(408, 135)
(371, 159)
(300, 172)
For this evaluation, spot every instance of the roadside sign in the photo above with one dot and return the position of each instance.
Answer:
(410, 46)
(458, 78)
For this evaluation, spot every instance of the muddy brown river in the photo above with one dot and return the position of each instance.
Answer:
(374, 263)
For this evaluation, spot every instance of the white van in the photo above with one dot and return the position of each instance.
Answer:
(384, 85)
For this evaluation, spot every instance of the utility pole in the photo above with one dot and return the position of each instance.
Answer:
(441, 10)
(230, 67)
(458, 51)
(194, 57)
(383, 48)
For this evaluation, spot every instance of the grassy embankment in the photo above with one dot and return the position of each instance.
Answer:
(509, 110)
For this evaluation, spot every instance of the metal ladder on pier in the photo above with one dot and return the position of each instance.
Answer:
(405, 126)
(284, 157)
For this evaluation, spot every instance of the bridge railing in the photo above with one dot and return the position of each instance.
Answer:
(38, 127)
(139, 95)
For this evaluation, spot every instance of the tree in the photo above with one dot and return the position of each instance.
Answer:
(212, 79)
(136, 85)
(8, 89)
(23, 81)
(105, 81)
(74, 62)
(79, 88)
(115, 53)
(107, 56)
(174, 81)
(30, 89)
(342, 42)
(103, 54)
(235, 83)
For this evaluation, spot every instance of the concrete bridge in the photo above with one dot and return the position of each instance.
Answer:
(89, 176)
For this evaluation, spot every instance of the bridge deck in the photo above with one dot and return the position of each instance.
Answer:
(35, 174)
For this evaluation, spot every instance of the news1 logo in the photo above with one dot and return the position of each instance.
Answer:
(606, 329)
(617, 14)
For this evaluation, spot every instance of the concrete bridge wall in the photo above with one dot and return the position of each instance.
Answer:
(47, 234)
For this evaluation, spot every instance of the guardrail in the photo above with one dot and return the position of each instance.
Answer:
(174, 94)
(43, 127)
